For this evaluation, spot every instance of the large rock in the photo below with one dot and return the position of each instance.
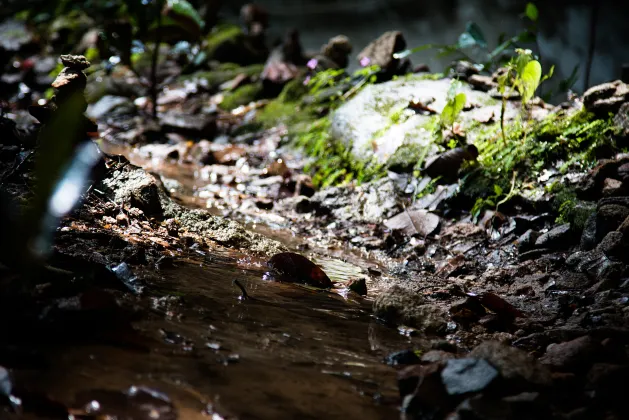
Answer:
(140, 189)
(375, 123)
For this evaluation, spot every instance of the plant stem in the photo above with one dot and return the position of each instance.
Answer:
(158, 41)
(591, 44)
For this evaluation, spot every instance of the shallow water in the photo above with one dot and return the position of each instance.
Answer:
(286, 352)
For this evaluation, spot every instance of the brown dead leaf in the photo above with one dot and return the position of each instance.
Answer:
(414, 222)
(421, 108)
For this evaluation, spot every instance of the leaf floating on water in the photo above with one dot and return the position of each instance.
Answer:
(414, 222)
(500, 306)
(295, 268)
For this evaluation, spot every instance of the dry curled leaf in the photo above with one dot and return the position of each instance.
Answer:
(414, 222)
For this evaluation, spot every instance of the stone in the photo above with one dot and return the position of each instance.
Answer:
(608, 217)
(463, 376)
(110, 105)
(338, 49)
(203, 126)
(403, 306)
(621, 121)
(577, 354)
(526, 242)
(597, 266)
(517, 367)
(557, 238)
(76, 62)
(482, 83)
(369, 203)
(612, 188)
(606, 98)
(404, 357)
(359, 122)
(380, 52)
(440, 356)
(614, 246)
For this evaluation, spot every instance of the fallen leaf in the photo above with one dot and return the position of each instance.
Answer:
(414, 222)
(295, 268)
(421, 108)
(500, 306)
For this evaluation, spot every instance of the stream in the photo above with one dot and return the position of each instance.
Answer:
(286, 351)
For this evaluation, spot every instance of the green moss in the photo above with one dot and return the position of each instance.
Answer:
(405, 157)
(220, 35)
(333, 162)
(559, 141)
(241, 96)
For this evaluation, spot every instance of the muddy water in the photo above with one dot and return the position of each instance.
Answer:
(286, 352)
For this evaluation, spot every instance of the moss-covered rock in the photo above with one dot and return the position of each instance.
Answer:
(241, 96)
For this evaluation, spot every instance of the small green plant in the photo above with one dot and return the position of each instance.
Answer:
(473, 43)
(454, 105)
(522, 74)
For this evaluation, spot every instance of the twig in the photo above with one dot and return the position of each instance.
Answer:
(244, 295)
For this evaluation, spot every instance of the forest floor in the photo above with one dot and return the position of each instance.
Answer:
(175, 289)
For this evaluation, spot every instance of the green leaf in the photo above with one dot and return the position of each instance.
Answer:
(530, 79)
(532, 12)
(459, 103)
(497, 190)
(185, 14)
(472, 36)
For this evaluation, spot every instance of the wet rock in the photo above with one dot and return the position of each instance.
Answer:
(577, 354)
(590, 187)
(605, 98)
(403, 306)
(133, 185)
(110, 105)
(200, 126)
(358, 286)
(560, 237)
(518, 368)
(404, 357)
(463, 376)
(608, 218)
(299, 204)
(439, 356)
(380, 52)
(597, 266)
(526, 242)
(614, 246)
